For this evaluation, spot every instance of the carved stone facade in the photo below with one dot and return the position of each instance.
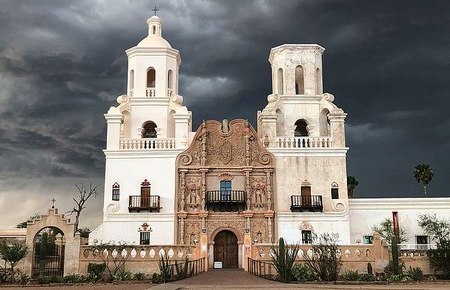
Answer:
(231, 152)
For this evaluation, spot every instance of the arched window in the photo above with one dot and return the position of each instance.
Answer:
(170, 79)
(334, 191)
(149, 130)
(280, 81)
(299, 80)
(115, 191)
(300, 128)
(131, 82)
(280, 123)
(151, 77)
(319, 88)
(324, 123)
(153, 29)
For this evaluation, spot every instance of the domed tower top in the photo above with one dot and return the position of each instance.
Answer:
(154, 38)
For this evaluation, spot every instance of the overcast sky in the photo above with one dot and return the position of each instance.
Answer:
(62, 65)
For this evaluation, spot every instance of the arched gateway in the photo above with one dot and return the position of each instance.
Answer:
(225, 191)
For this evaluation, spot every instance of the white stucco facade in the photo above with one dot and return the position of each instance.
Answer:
(150, 129)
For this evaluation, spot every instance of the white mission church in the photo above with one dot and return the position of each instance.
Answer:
(166, 184)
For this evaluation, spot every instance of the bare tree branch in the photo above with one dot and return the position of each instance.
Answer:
(84, 194)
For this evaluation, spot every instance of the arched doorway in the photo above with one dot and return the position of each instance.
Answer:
(48, 253)
(226, 249)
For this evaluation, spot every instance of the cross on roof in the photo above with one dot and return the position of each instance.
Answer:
(155, 10)
(53, 202)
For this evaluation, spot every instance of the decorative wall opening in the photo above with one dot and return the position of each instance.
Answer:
(149, 130)
(324, 123)
(151, 78)
(131, 81)
(280, 81)
(299, 80)
(170, 79)
(319, 89)
(280, 123)
(300, 128)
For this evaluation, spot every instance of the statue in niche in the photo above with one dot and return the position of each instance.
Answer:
(193, 198)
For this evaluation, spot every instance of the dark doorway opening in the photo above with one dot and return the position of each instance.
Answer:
(226, 249)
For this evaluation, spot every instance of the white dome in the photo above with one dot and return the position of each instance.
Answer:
(154, 41)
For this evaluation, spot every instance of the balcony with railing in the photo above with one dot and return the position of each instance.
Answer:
(147, 144)
(139, 203)
(304, 203)
(302, 142)
(226, 200)
(150, 92)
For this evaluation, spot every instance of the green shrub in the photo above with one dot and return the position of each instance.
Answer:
(399, 278)
(439, 260)
(390, 269)
(351, 275)
(157, 278)
(303, 273)
(366, 277)
(123, 276)
(139, 276)
(415, 273)
(56, 279)
(96, 270)
(43, 280)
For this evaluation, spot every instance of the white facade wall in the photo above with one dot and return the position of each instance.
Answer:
(367, 212)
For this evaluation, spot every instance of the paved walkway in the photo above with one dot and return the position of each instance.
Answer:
(238, 279)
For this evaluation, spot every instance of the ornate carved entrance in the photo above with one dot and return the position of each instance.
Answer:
(226, 249)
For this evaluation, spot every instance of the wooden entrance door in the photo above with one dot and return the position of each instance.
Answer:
(226, 249)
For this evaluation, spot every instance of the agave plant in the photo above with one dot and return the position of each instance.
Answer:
(283, 259)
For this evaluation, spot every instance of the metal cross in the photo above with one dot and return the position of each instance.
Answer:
(155, 10)
(53, 202)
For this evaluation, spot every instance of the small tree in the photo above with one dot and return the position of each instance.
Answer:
(352, 183)
(325, 260)
(424, 175)
(84, 194)
(12, 251)
(439, 232)
(386, 231)
(283, 259)
(23, 225)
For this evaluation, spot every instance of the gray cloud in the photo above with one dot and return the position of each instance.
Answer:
(62, 65)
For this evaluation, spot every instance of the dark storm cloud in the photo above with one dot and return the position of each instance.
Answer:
(62, 65)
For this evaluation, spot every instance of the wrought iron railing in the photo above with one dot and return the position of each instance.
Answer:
(226, 200)
(306, 203)
(144, 203)
(262, 269)
(177, 271)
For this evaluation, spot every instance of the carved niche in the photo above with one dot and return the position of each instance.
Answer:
(221, 145)
(258, 192)
(193, 196)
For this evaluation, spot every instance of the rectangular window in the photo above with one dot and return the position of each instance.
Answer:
(368, 239)
(306, 237)
(115, 194)
(335, 193)
(422, 242)
(144, 238)
(225, 189)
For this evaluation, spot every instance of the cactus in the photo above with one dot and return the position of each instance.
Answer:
(369, 269)
(165, 268)
(283, 260)
(395, 255)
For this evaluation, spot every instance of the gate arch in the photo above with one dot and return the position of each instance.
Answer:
(71, 241)
(226, 249)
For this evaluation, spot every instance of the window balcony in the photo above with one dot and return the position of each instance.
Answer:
(226, 200)
(139, 203)
(301, 203)
(301, 142)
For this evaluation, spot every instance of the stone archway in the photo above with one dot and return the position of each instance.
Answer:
(70, 241)
(226, 249)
